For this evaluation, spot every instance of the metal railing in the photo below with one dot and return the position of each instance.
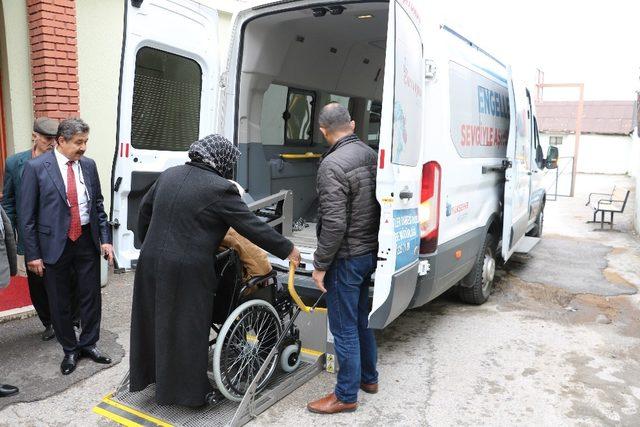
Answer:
(277, 209)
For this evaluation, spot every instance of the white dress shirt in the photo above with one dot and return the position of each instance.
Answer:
(83, 195)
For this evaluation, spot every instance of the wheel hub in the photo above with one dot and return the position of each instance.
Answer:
(488, 269)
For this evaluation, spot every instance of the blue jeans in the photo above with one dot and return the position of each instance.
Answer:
(347, 282)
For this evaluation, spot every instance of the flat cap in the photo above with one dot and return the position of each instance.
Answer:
(45, 126)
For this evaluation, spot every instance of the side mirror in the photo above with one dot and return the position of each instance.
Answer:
(552, 158)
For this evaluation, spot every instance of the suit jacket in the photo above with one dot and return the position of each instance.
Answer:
(8, 259)
(11, 190)
(44, 212)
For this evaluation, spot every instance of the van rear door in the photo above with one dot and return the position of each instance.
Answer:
(399, 167)
(518, 172)
(168, 84)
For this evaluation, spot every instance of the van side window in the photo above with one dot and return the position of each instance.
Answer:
(166, 101)
(345, 101)
(298, 117)
(373, 132)
(271, 123)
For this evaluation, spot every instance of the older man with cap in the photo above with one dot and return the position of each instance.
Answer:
(44, 139)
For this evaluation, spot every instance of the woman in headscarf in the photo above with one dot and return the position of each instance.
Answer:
(182, 220)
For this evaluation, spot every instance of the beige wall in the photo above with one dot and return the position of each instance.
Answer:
(16, 75)
(99, 24)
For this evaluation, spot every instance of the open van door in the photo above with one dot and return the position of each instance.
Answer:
(399, 169)
(168, 90)
(518, 171)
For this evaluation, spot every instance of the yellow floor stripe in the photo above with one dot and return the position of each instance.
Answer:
(311, 352)
(114, 417)
(135, 412)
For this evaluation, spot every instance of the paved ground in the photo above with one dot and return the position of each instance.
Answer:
(557, 344)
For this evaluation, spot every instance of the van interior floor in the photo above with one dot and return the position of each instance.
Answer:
(304, 236)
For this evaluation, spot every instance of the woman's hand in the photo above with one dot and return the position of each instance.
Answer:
(295, 257)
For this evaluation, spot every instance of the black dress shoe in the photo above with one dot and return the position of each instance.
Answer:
(7, 390)
(94, 354)
(48, 333)
(69, 363)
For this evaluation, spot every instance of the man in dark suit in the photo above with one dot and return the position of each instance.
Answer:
(44, 139)
(64, 227)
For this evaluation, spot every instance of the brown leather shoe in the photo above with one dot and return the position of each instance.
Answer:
(369, 388)
(331, 405)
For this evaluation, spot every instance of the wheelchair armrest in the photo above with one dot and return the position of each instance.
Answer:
(222, 255)
(259, 279)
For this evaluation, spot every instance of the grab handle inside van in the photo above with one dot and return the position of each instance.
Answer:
(305, 156)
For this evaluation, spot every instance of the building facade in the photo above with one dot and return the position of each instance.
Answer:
(607, 142)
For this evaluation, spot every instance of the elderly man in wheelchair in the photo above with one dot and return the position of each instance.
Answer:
(250, 312)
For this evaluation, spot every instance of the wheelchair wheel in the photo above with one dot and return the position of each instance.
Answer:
(245, 340)
(290, 358)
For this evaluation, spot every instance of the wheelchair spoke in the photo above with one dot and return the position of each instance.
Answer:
(246, 345)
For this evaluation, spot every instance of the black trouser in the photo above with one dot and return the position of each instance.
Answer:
(39, 299)
(83, 257)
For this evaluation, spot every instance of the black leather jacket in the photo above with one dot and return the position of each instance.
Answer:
(348, 212)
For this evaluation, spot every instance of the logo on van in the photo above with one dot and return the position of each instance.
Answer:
(451, 210)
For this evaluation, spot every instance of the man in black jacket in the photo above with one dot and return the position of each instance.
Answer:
(346, 255)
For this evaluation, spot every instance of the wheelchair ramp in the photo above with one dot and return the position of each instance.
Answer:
(140, 409)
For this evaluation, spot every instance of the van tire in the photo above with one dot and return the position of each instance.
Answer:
(476, 286)
(536, 231)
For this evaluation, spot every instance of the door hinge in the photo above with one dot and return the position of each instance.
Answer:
(222, 82)
(115, 223)
(507, 164)
(116, 185)
(430, 69)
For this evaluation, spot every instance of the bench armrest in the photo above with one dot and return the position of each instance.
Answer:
(599, 194)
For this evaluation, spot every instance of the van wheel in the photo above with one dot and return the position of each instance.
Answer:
(536, 231)
(476, 286)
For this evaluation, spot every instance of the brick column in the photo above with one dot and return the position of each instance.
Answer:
(54, 58)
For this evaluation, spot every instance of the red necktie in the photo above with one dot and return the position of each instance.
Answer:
(75, 228)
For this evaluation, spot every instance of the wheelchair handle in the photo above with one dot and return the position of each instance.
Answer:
(294, 294)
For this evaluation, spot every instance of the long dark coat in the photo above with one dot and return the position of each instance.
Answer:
(183, 218)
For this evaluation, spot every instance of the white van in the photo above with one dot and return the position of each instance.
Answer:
(459, 155)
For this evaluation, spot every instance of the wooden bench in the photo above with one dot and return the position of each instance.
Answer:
(612, 203)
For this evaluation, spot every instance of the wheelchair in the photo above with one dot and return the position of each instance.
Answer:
(249, 318)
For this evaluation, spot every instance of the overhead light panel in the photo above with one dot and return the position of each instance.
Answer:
(336, 10)
(369, 16)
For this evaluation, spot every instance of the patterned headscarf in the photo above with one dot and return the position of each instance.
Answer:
(216, 151)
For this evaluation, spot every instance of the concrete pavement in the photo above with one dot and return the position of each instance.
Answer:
(553, 346)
